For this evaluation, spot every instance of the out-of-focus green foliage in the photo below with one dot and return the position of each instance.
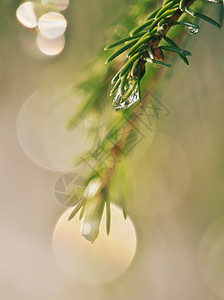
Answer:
(148, 48)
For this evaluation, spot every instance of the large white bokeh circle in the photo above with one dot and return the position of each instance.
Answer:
(26, 14)
(52, 25)
(42, 132)
(50, 46)
(104, 260)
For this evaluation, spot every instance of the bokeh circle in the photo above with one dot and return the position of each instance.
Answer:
(104, 260)
(211, 261)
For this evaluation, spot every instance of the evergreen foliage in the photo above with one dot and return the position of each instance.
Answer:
(134, 65)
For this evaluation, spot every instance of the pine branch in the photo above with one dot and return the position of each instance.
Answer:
(144, 48)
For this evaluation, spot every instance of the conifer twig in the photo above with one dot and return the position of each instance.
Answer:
(143, 46)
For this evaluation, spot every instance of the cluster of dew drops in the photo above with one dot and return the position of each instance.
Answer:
(46, 18)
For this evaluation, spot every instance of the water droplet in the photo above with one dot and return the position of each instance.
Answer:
(55, 4)
(117, 99)
(90, 231)
(135, 97)
(86, 228)
(119, 105)
(52, 25)
(193, 30)
(26, 14)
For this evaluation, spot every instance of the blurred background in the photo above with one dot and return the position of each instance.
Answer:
(177, 206)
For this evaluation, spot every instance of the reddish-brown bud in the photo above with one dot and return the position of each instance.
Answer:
(158, 53)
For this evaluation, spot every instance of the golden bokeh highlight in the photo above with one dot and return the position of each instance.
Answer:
(104, 260)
